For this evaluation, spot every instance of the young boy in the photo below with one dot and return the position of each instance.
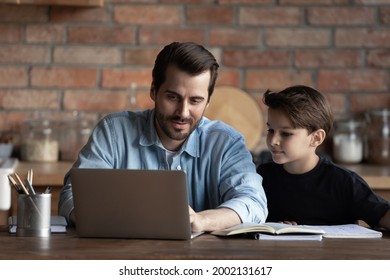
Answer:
(301, 186)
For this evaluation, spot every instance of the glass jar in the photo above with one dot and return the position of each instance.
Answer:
(74, 135)
(348, 141)
(377, 143)
(39, 141)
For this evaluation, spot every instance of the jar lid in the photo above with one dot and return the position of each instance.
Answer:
(349, 124)
(380, 112)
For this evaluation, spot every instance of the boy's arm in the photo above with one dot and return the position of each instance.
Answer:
(385, 220)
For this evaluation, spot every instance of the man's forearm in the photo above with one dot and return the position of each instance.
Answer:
(214, 219)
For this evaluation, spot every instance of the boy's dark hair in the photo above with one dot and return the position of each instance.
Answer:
(304, 106)
(189, 57)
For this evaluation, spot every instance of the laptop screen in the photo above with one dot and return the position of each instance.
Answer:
(123, 203)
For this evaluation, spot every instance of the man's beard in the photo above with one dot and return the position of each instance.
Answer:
(164, 123)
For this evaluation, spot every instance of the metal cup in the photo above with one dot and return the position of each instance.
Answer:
(33, 215)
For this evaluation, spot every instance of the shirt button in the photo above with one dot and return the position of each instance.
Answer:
(178, 167)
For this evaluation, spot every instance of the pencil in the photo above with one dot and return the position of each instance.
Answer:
(21, 184)
(14, 184)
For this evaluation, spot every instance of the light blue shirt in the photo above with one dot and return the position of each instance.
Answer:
(220, 171)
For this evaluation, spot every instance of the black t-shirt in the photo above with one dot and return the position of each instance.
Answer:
(326, 195)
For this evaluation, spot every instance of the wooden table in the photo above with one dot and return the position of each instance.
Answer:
(205, 247)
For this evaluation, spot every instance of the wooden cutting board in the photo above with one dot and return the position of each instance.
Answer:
(239, 110)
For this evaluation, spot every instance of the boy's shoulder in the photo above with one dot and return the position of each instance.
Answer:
(333, 169)
(267, 167)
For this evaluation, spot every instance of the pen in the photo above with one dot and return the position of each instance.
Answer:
(30, 187)
(48, 190)
(30, 176)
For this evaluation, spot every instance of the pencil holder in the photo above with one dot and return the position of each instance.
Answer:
(33, 215)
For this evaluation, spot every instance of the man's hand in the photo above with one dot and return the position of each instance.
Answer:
(213, 219)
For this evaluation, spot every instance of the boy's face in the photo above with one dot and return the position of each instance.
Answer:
(289, 146)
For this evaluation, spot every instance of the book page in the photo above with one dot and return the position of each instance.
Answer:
(272, 228)
(285, 228)
(349, 231)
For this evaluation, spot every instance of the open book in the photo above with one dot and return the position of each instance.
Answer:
(279, 231)
(274, 231)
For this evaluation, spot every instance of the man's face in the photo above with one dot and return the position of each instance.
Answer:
(179, 105)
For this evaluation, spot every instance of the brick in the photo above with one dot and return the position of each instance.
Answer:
(270, 16)
(341, 16)
(209, 15)
(45, 33)
(384, 15)
(87, 55)
(101, 35)
(234, 37)
(29, 99)
(122, 78)
(276, 79)
(256, 58)
(369, 101)
(95, 100)
(158, 36)
(229, 77)
(26, 13)
(147, 15)
(24, 54)
(337, 102)
(379, 58)
(298, 37)
(10, 33)
(327, 58)
(353, 80)
(140, 56)
(63, 77)
(78, 14)
(11, 121)
(362, 37)
(13, 76)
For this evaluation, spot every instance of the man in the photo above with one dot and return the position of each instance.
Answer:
(224, 188)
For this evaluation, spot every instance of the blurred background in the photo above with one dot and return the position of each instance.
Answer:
(63, 67)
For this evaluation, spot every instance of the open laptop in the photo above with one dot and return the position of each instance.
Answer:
(123, 203)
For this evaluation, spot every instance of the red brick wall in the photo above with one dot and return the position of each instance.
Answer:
(60, 59)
